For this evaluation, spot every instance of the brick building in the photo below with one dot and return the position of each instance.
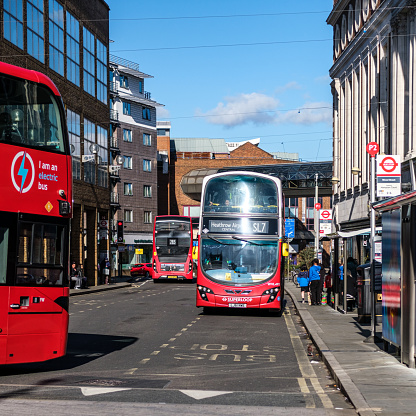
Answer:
(133, 137)
(68, 41)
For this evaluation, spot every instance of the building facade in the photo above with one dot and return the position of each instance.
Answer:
(134, 166)
(374, 100)
(68, 41)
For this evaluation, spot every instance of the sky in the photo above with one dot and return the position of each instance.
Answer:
(235, 69)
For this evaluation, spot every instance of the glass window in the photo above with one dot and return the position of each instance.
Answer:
(126, 109)
(72, 49)
(291, 208)
(310, 212)
(74, 132)
(147, 139)
(102, 142)
(239, 193)
(13, 21)
(141, 87)
(89, 62)
(147, 191)
(146, 114)
(127, 162)
(234, 262)
(4, 247)
(128, 188)
(40, 254)
(127, 137)
(56, 37)
(147, 165)
(30, 115)
(148, 217)
(102, 72)
(89, 144)
(124, 81)
(128, 215)
(35, 36)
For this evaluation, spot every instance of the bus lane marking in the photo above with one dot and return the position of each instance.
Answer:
(305, 366)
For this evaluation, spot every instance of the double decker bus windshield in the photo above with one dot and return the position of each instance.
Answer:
(238, 260)
(172, 240)
(29, 115)
(241, 193)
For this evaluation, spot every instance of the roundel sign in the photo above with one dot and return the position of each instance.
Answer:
(318, 206)
(388, 164)
(325, 214)
(22, 172)
(372, 148)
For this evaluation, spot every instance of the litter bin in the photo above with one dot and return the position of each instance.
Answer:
(364, 291)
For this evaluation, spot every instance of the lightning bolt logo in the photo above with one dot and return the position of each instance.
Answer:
(26, 174)
(23, 172)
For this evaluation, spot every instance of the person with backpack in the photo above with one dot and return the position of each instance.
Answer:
(303, 281)
(315, 282)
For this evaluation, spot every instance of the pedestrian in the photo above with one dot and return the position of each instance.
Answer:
(83, 277)
(303, 281)
(321, 283)
(75, 275)
(328, 286)
(314, 281)
(352, 279)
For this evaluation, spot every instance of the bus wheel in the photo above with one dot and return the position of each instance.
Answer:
(207, 310)
(156, 281)
(147, 275)
(275, 312)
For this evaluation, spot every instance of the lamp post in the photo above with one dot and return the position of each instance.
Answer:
(316, 217)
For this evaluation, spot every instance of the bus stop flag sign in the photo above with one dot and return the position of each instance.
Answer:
(325, 221)
(388, 176)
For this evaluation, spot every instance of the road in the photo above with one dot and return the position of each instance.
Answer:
(148, 350)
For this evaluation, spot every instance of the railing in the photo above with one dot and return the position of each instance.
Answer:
(114, 198)
(124, 62)
(113, 115)
(114, 142)
(113, 88)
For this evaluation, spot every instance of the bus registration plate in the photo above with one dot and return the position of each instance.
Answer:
(172, 277)
(237, 305)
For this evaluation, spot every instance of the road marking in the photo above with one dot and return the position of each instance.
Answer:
(131, 371)
(303, 386)
(144, 361)
(155, 353)
(163, 345)
(305, 366)
(172, 339)
(92, 391)
(203, 394)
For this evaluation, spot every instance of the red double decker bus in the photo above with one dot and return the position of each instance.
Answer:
(241, 236)
(35, 211)
(172, 248)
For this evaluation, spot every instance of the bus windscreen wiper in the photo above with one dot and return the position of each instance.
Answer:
(219, 242)
(247, 241)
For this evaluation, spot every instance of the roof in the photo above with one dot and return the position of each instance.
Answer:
(198, 145)
(140, 100)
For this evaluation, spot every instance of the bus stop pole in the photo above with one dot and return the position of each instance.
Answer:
(372, 247)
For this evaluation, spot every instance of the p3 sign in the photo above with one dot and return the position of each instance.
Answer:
(372, 148)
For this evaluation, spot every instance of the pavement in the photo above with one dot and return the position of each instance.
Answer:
(375, 381)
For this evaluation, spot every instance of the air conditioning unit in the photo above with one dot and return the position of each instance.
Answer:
(114, 168)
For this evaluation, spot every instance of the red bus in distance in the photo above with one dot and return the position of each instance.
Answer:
(240, 242)
(172, 248)
(35, 214)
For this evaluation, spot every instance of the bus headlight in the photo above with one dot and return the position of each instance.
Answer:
(203, 292)
(272, 293)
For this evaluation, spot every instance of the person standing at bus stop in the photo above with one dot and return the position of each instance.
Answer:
(303, 281)
(315, 282)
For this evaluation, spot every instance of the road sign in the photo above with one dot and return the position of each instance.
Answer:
(103, 223)
(372, 148)
(318, 206)
(388, 175)
(325, 221)
(290, 228)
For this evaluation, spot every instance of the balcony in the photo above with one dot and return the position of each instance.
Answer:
(114, 117)
(113, 89)
(114, 200)
(114, 148)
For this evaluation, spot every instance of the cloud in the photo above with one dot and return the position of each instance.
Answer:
(242, 109)
(290, 86)
(162, 112)
(310, 113)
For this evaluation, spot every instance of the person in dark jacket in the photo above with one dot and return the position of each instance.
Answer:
(303, 281)
(314, 281)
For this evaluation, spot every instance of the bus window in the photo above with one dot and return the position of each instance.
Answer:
(4, 244)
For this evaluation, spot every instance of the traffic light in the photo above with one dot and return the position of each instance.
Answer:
(120, 231)
(285, 249)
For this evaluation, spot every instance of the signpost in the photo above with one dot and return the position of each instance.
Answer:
(325, 221)
(290, 228)
(372, 149)
(388, 176)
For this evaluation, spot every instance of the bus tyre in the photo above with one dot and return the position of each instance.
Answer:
(207, 310)
(156, 281)
(147, 275)
(275, 312)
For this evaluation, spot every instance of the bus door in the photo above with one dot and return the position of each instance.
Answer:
(34, 302)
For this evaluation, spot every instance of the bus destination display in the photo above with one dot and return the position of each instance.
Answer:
(240, 226)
